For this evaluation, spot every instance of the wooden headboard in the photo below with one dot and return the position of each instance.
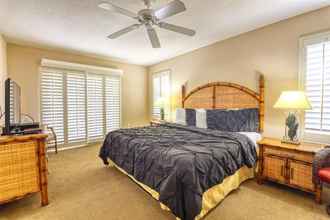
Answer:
(224, 95)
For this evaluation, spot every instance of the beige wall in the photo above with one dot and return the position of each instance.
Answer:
(3, 69)
(23, 67)
(272, 50)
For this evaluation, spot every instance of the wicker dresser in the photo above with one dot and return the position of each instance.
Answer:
(23, 167)
(288, 164)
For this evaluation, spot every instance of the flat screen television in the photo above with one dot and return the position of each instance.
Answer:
(13, 120)
(12, 105)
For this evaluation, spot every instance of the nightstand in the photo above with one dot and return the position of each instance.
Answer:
(288, 164)
(156, 122)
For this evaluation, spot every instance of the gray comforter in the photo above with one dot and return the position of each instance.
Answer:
(179, 162)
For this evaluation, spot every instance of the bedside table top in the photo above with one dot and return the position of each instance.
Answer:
(305, 147)
(155, 121)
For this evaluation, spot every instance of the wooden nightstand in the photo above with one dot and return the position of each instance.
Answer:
(155, 122)
(288, 164)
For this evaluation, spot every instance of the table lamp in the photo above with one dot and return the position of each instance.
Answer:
(293, 101)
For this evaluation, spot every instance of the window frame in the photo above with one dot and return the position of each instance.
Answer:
(153, 75)
(64, 68)
(317, 136)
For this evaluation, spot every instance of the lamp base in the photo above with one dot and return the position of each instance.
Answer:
(288, 141)
(291, 129)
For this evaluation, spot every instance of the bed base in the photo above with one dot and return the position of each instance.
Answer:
(212, 197)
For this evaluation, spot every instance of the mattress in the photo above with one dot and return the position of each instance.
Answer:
(181, 163)
(253, 136)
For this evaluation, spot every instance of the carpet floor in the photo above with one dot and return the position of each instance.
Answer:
(81, 188)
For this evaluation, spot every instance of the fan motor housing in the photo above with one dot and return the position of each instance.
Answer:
(147, 16)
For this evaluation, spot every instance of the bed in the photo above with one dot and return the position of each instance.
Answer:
(190, 170)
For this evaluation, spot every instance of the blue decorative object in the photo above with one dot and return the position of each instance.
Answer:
(162, 114)
(293, 125)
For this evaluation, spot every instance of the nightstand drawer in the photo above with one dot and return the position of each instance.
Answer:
(306, 157)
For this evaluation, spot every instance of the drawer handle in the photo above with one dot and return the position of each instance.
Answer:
(292, 173)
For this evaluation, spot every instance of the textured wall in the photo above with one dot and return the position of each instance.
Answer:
(272, 50)
(3, 69)
(23, 67)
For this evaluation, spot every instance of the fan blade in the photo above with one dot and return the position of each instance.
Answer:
(172, 8)
(111, 7)
(153, 36)
(178, 29)
(124, 31)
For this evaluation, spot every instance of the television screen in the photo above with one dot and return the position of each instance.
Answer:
(12, 104)
(15, 103)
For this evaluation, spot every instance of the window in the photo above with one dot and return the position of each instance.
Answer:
(315, 79)
(81, 106)
(76, 104)
(161, 93)
(95, 108)
(52, 102)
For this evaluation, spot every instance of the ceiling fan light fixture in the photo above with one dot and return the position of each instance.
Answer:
(150, 17)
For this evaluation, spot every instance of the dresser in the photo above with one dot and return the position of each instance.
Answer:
(23, 167)
(288, 164)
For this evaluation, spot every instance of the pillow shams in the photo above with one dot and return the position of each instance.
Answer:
(201, 118)
(233, 120)
(190, 117)
(180, 116)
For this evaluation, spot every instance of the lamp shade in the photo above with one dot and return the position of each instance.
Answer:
(296, 100)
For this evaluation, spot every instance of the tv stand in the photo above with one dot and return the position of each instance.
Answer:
(17, 153)
(23, 128)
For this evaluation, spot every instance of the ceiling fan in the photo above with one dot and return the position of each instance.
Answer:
(149, 18)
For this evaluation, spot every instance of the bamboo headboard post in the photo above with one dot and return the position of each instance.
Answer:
(261, 102)
(183, 94)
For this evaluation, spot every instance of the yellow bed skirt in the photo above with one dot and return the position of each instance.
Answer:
(213, 196)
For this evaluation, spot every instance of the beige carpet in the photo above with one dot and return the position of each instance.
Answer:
(80, 188)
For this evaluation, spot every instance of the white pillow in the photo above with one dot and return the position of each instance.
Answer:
(180, 116)
(201, 118)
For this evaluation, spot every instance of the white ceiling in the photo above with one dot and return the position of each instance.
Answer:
(80, 25)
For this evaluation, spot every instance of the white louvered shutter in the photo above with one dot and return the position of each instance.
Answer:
(81, 106)
(165, 92)
(317, 86)
(11, 104)
(95, 117)
(156, 96)
(326, 88)
(52, 102)
(161, 90)
(76, 107)
(113, 102)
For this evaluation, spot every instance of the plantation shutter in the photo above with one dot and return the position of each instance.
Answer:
(81, 105)
(112, 102)
(13, 117)
(95, 102)
(76, 107)
(161, 90)
(156, 96)
(326, 88)
(317, 86)
(52, 102)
